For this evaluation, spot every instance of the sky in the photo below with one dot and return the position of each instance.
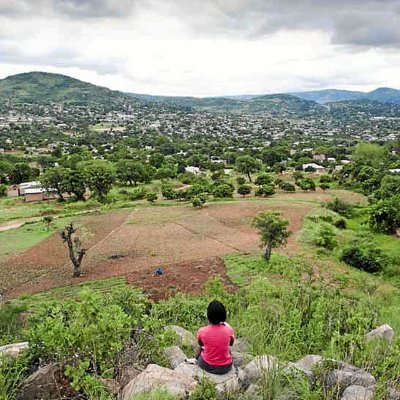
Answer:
(206, 47)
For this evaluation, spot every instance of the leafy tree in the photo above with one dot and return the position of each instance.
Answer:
(390, 186)
(273, 229)
(3, 190)
(385, 215)
(265, 190)
(5, 171)
(306, 184)
(263, 179)
(287, 187)
(55, 178)
(369, 153)
(74, 182)
(244, 190)
(100, 176)
(240, 180)
(247, 165)
(21, 172)
(157, 160)
(223, 190)
(130, 171)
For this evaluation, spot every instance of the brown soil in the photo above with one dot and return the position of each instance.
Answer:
(188, 244)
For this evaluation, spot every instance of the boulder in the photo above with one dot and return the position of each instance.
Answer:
(255, 369)
(305, 365)
(357, 393)
(156, 377)
(343, 378)
(14, 349)
(47, 383)
(241, 359)
(184, 337)
(383, 332)
(111, 384)
(240, 346)
(174, 355)
(224, 383)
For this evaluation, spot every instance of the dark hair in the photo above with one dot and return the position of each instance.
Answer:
(216, 312)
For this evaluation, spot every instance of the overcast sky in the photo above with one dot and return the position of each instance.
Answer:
(206, 47)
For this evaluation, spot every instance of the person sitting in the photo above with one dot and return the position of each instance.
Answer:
(213, 353)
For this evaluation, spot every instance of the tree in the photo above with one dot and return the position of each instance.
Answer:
(223, 190)
(74, 183)
(369, 153)
(240, 180)
(54, 178)
(306, 184)
(47, 220)
(273, 229)
(385, 215)
(130, 171)
(244, 190)
(287, 187)
(247, 165)
(157, 160)
(75, 249)
(263, 179)
(21, 172)
(100, 176)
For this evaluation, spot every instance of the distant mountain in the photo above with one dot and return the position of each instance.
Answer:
(46, 88)
(383, 95)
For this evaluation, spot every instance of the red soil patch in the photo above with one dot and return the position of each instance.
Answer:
(189, 244)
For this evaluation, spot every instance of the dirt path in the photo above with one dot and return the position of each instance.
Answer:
(17, 223)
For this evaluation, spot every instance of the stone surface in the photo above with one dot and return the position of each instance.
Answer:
(184, 337)
(383, 332)
(306, 365)
(46, 383)
(241, 359)
(126, 374)
(174, 355)
(156, 377)
(240, 346)
(14, 349)
(357, 393)
(111, 384)
(260, 365)
(345, 378)
(224, 383)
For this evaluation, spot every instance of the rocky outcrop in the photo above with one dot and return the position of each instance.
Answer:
(349, 376)
(13, 350)
(184, 337)
(357, 393)
(46, 383)
(256, 368)
(305, 365)
(156, 377)
(174, 355)
(383, 332)
(224, 383)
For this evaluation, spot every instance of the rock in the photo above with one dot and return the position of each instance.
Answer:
(392, 394)
(13, 350)
(240, 359)
(254, 370)
(357, 393)
(111, 384)
(240, 346)
(185, 338)
(253, 390)
(126, 374)
(343, 378)
(175, 356)
(224, 383)
(46, 383)
(306, 365)
(383, 332)
(156, 377)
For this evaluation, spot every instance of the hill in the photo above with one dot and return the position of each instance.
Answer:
(46, 88)
(383, 95)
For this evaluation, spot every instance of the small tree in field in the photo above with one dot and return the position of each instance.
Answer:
(75, 249)
(274, 231)
(244, 189)
(47, 220)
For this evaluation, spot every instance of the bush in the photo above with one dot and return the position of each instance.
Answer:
(340, 207)
(306, 184)
(265, 190)
(326, 179)
(240, 180)
(196, 202)
(364, 256)
(3, 190)
(224, 190)
(324, 236)
(151, 197)
(263, 179)
(324, 186)
(244, 190)
(138, 193)
(168, 192)
(287, 187)
(385, 215)
(205, 390)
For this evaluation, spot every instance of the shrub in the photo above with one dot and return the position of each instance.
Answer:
(263, 179)
(168, 192)
(340, 207)
(3, 190)
(324, 186)
(196, 202)
(287, 187)
(385, 215)
(306, 184)
(205, 390)
(324, 236)
(244, 190)
(223, 190)
(364, 256)
(151, 197)
(240, 180)
(326, 179)
(138, 193)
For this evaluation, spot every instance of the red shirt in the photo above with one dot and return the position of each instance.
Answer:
(216, 340)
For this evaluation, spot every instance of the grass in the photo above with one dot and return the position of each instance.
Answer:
(18, 240)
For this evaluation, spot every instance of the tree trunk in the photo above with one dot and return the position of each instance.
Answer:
(248, 174)
(267, 254)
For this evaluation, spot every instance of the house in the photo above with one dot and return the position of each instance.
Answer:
(40, 194)
(193, 170)
(394, 171)
(13, 191)
(28, 185)
(319, 169)
(319, 157)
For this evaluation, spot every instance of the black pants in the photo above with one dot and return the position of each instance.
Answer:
(217, 370)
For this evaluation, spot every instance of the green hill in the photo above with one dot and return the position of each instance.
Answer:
(46, 88)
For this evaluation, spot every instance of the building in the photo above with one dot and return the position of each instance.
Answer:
(319, 169)
(28, 185)
(193, 170)
(40, 194)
